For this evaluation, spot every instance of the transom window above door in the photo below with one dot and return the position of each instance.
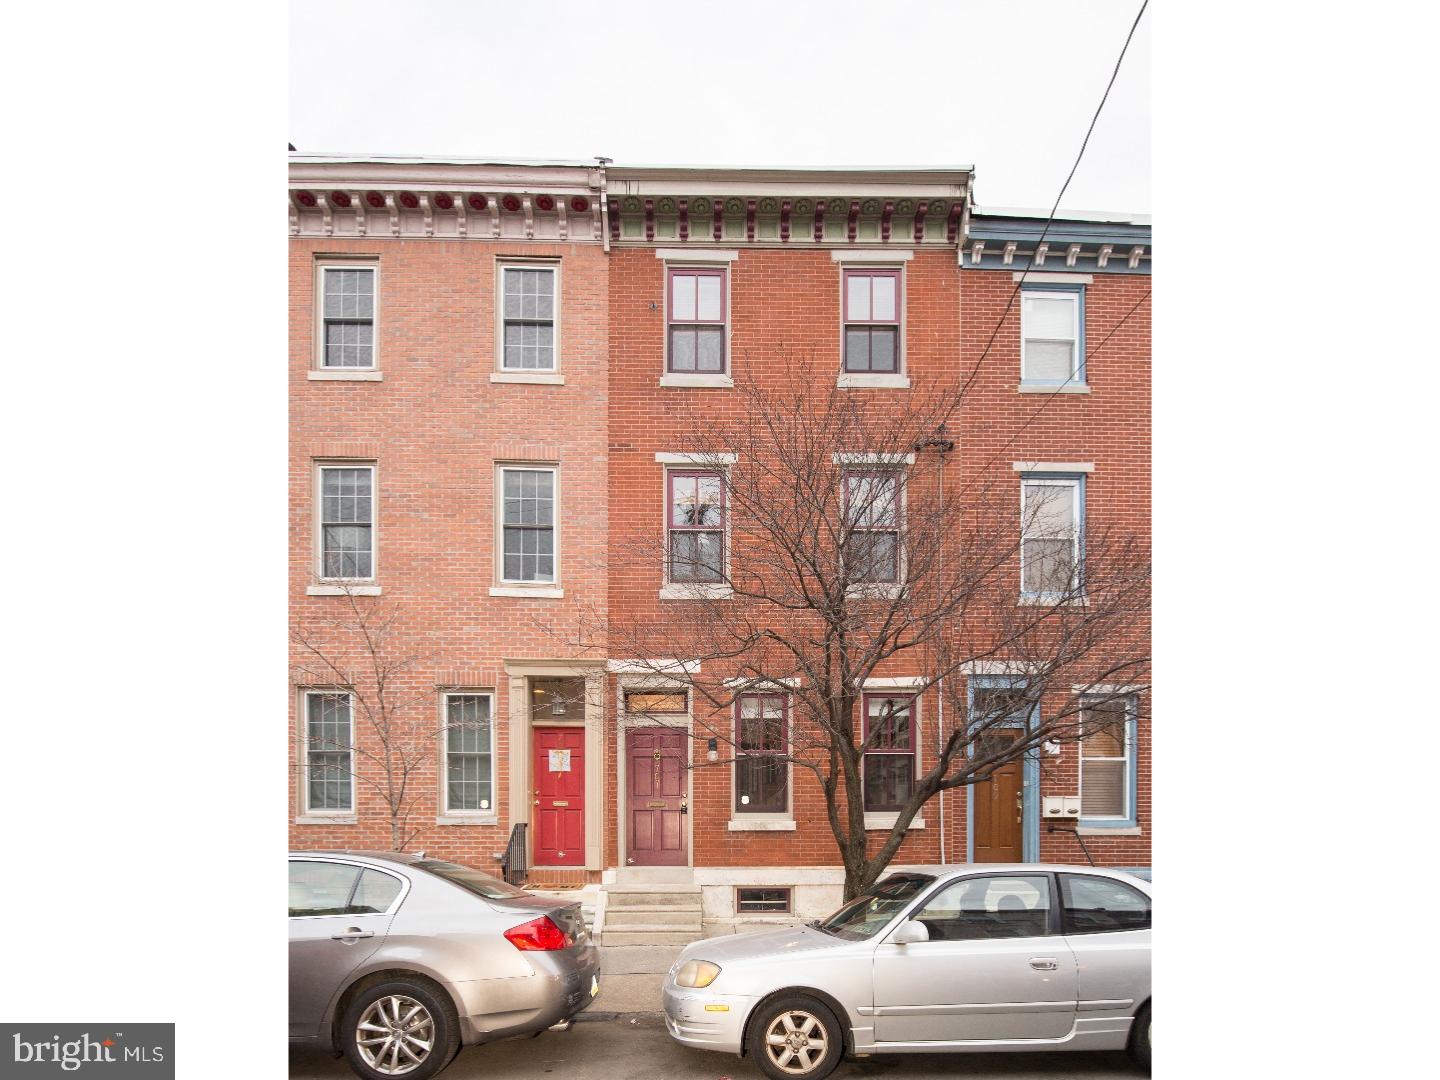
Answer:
(696, 304)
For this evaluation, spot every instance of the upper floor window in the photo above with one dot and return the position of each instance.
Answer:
(1052, 330)
(528, 548)
(329, 751)
(889, 772)
(347, 317)
(872, 516)
(872, 320)
(469, 754)
(1051, 510)
(528, 318)
(1107, 761)
(347, 522)
(696, 334)
(696, 526)
(761, 771)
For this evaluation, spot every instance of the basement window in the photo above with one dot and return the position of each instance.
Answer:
(768, 900)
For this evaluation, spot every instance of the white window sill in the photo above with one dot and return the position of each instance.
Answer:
(467, 819)
(1050, 601)
(327, 819)
(760, 823)
(1041, 388)
(876, 591)
(878, 380)
(1104, 830)
(887, 821)
(697, 591)
(342, 590)
(680, 378)
(548, 378)
(345, 375)
(547, 592)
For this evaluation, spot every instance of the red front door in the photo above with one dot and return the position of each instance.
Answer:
(559, 810)
(655, 769)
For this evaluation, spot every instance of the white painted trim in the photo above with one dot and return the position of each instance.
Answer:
(345, 375)
(761, 685)
(317, 481)
(699, 590)
(757, 823)
(342, 590)
(848, 255)
(1054, 466)
(1045, 278)
(903, 682)
(875, 590)
(543, 592)
(1091, 830)
(306, 811)
(519, 262)
(1109, 688)
(874, 380)
(1063, 388)
(487, 815)
(661, 665)
(692, 255)
(337, 261)
(685, 378)
(467, 819)
(548, 378)
(872, 459)
(999, 667)
(874, 822)
(339, 819)
(697, 459)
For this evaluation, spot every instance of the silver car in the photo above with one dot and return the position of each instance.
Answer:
(972, 958)
(397, 960)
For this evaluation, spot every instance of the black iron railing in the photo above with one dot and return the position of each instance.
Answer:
(512, 863)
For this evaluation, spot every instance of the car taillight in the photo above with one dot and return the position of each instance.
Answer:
(538, 935)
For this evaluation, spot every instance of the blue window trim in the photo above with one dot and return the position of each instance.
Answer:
(1030, 786)
(1079, 378)
(1079, 528)
(1132, 759)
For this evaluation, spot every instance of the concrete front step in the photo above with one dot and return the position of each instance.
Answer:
(654, 875)
(675, 918)
(651, 894)
(637, 935)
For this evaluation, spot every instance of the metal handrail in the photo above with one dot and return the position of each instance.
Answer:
(512, 863)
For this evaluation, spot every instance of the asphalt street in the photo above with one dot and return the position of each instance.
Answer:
(636, 1047)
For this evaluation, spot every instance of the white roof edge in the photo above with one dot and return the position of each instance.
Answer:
(1121, 216)
(431, 159)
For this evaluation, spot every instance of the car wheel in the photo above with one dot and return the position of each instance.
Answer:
(1140, 1038)
(401, 1027)
(795, 1037)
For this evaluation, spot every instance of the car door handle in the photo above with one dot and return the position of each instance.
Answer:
(1043, 963)
(353, 934)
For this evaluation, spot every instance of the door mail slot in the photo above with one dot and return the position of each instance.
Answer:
(655, 804)
(561, 802)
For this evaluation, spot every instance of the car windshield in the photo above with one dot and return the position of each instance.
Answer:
(864, 916)
(491, 888)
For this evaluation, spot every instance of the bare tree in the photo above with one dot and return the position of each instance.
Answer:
(360, 653)
(846, 551)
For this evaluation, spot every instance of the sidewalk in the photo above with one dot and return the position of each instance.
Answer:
(630, 978)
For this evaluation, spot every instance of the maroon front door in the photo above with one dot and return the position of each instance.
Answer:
(559, 810)
(655, 769)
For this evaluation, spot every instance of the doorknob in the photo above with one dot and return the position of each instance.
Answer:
(353, 934)
(1043, 963)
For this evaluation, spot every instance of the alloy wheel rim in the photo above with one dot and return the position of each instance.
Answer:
(796, 1042)
(395, 1035)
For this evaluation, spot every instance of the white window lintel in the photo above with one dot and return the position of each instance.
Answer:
(872, 459)
(699, 458)
(1054, 466)
(696, 255)
(846, 255)
(1035, 278)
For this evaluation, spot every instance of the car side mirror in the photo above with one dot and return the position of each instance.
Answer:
(910, 932)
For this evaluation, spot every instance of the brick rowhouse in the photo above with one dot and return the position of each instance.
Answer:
(440, 417)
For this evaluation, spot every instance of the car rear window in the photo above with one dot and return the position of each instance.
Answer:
(481, 884)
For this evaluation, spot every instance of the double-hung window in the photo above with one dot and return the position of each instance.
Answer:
(528, 318)
(872, 520)
(347, 317)
(1052, 331)
(1107, 762)
(761, 770)
(347, 522)
(872, 320)
(1051, 527)
(329, 752)
(696, 334)
(469, 754)
(890, 751)
(696, 526)
(528, 549)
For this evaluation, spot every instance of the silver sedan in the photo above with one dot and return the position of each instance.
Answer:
(975, 958)
(397, 960)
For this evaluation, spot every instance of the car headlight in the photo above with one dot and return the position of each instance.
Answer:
(697, 973)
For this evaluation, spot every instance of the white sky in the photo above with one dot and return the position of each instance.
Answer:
(1008, 87)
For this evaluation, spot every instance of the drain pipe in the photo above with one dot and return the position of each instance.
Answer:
(945, 445)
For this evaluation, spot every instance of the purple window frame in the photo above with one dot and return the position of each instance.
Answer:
(909, 751)
(672, 323)
(893, 475)
(779, 751)
(846, 322)
(671, 528)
